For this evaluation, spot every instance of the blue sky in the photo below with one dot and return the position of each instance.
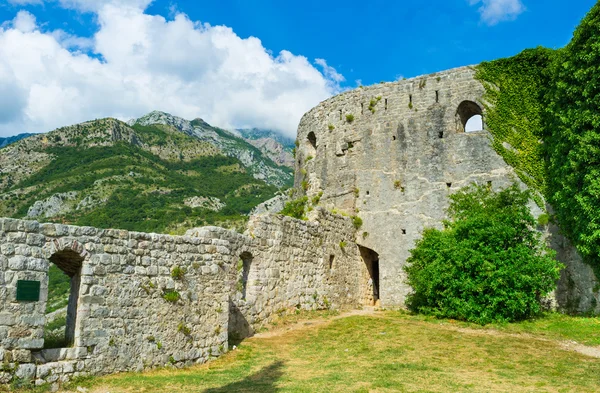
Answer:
(66, 61)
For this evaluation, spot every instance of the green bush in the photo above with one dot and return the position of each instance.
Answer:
(350, 118)
(295, 208)
(487, 265)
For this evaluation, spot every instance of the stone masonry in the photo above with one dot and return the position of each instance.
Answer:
(393, 152)
(132, 310)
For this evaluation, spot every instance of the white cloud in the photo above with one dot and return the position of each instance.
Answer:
(144, 62)
(24, 22)
(494, 11)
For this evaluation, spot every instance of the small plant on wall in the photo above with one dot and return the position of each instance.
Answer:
(171, 296)
(177, 273)
(350, 118)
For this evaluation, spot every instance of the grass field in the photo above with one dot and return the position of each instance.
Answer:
(388, 352)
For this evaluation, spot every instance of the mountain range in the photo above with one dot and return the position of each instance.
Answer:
(157, 173)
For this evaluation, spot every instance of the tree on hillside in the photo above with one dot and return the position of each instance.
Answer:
(487, 264)
(572, 140)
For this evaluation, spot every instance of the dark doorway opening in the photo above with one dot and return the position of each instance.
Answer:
(63, 294)
(246, 262)
(370, 289)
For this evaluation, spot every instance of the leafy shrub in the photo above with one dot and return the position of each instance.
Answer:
(488, 263)
(295, 208)
(331, 127)
(350, 118)
(357, 222)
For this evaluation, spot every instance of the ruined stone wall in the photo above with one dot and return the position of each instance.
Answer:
(296, 265)
(392, 153)
(123, 321)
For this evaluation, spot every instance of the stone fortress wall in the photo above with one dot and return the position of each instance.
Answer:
(123, 321)
(393, 152)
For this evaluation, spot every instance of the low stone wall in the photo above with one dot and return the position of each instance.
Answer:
(123, 320)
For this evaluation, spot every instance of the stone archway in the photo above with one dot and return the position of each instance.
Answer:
(70, 263)
(469, 117)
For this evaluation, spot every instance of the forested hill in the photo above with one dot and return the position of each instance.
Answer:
(157, 174)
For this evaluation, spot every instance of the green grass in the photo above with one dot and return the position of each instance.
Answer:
(59, 286)
(387, 352)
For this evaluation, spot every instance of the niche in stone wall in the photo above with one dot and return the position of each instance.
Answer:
(469, 117)
(245, 264)
(311, 144)
(64, 279)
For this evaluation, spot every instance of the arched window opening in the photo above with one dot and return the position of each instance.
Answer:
(244, 269)
(64, 279)
(469, 117)
(311, 145)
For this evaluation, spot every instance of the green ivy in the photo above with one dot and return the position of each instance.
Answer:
(513, 101)
(572, 141)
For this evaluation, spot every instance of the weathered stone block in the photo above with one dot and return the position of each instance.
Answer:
(26, 371)
(18, 262)
(7, 319)
(21, 355)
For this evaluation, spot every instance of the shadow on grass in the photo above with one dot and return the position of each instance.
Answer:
(263, 381)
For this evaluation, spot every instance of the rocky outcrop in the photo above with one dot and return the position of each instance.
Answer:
(57, 204)
(262, 167)
(274, 150)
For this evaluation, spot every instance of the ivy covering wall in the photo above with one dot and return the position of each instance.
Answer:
(543, 111)
(514, 110)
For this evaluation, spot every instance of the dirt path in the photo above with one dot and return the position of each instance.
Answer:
(312, 323)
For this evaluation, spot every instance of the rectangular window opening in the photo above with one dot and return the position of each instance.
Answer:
(437, 96)
(386, 104)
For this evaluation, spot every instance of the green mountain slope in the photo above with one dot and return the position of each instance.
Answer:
(144, 177)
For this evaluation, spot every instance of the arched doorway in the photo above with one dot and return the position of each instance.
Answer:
(63, 263)
(370, 289)
(469, 117)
